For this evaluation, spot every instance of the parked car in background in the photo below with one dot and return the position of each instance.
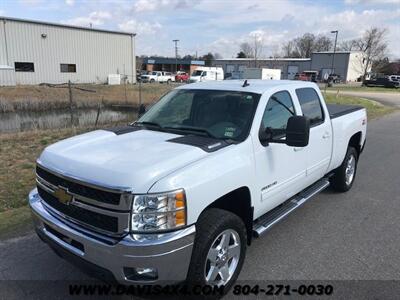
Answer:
(382, 82)
(306, 76)
(207, 74)
(394, 77)
(182, 76)
(158, 76)
(334, 78)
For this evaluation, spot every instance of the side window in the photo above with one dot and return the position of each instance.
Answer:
(310, 105)
(279, 109)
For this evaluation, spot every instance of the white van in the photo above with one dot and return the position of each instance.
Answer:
(207, 74)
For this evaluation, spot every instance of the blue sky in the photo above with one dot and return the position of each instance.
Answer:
(217, 25)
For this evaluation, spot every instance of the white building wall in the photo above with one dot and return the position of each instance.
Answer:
(356, 66)
(95, 53)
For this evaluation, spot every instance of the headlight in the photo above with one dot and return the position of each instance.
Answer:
(159, 212)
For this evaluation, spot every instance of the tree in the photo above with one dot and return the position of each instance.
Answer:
(257, 47)
(373, 45)
(322, 43)
(246, 49)
(304, 46)
(349, 45)
(208, 58)
(241, 54)
(217, 55)
(188, 56)
(288, 49)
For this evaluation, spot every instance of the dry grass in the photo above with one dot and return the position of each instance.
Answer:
(40, 98)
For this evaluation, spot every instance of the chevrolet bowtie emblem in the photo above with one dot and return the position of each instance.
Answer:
(62, 195)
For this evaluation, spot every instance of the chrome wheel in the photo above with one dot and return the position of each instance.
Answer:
(350, 169)
(222, 258)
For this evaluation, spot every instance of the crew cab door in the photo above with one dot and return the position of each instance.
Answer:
(320, 144)
(280, 169)
(160, 77)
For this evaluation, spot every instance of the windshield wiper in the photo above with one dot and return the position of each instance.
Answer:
(192, 129)
(145, 123)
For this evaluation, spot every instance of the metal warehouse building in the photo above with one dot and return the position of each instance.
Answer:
(348, 64)
(33, 52)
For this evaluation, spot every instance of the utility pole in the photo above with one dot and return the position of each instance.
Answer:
(334, 49)
(176, 55)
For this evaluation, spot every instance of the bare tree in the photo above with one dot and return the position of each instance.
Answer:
(246, 49)
(257, 47)
(348, 45)
(374, 46)
(322, 43)
(288, 49)
(304, 46)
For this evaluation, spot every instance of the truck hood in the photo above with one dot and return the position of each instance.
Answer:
(134, 160)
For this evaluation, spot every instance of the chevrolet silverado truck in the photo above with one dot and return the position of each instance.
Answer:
(181, 193)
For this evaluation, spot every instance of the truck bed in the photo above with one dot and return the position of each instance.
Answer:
(337, 110)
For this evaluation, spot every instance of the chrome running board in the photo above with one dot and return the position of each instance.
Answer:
(265, 222)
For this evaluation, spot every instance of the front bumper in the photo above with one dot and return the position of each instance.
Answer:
(168, 253)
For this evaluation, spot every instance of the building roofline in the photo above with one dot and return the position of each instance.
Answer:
(65, 25)
(264, 59)
(337, 52)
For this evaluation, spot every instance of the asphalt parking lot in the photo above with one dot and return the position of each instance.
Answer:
(351, 236)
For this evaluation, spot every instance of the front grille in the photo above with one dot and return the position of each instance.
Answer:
(79, 189)
(101, 221)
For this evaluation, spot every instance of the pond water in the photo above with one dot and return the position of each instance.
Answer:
(24, 121)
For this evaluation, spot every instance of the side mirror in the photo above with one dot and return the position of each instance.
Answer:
(142, 110)
(297, 131)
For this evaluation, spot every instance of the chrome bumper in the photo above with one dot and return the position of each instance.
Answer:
(168, 253)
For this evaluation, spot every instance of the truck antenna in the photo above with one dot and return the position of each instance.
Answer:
(245, 83)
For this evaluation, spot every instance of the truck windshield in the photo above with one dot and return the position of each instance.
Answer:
(197, 73)
(213, 113)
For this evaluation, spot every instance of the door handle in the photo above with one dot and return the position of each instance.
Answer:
(326, 135)
(298, 149)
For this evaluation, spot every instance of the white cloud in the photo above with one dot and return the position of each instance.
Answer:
(31, 2)
(355, 2)
(95, 18)
(152, 5)
(140, 28)
(352, 25)
(70, 2)
(2, 12)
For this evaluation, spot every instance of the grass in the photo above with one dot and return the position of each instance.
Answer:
(359, 88)
(374, 109)
(19, 151)
(41, 98)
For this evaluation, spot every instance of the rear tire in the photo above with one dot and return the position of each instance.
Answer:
(219, 249)
(344, 176)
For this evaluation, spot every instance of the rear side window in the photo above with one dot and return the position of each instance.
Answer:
(310, 105)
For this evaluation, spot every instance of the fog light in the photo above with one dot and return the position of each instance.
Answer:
(141, 274)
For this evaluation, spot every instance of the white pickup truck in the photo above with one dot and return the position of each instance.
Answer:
(180, 193)
(158, 76)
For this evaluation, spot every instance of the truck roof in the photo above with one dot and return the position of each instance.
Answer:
(257, 86)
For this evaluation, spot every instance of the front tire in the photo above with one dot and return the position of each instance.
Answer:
(344, 176)
(219, 249)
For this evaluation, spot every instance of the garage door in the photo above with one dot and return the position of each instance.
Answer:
(292, 70)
